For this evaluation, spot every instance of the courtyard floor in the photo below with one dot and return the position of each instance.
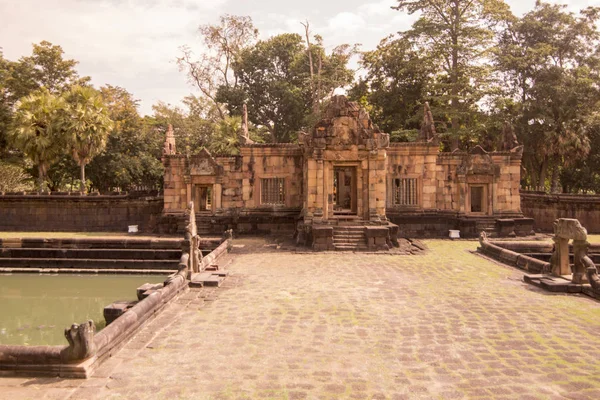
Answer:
(446, 324)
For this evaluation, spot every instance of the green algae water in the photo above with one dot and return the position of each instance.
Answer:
(35, 309)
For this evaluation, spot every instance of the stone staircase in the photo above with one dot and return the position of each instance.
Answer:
(488, 225)
(90, 253)
(204, 228)
(349, 238)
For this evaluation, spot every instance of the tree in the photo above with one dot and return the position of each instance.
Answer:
(222, 43)
(37, 130)
(193, 124)
(456, 35)
(395, 84)
(86, 124)
(47, 68)
(225, 139)
(274, 81)
(13, 178)
(131, 158)
(550, 65)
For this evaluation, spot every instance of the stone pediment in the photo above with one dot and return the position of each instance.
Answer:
(478, 162)
(344, 124)
(204, 164)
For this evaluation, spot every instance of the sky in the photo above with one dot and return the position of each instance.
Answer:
(134, 43)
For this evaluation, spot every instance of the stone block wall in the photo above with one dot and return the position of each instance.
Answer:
(264, 162)
(413, 160)
(78, 213)
(175, 187)
(545, 208)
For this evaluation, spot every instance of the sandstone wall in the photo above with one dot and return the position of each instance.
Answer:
(413, 160)
(175, 187)
(264, 162)
(78, 213)
(545, 208)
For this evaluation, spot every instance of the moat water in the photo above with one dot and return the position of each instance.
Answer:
(35, 309)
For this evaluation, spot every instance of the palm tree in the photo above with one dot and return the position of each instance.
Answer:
(87, 125)
(36, 130)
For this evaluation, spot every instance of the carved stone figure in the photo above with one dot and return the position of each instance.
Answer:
(482, 237)
(169, 145)
(592, 274)
(509, 141)
(81, 342)
(564, 230)
(427, 133)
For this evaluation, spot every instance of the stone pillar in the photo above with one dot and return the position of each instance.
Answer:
(217, 189)
(560, 257)
(580, 250)
(320, 203)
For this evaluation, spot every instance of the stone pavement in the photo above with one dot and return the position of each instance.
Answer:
(446, 324)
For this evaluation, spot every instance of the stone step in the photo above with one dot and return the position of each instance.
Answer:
(208, 278)
(339, 247)
(349, 235)
(19, 262)
(348, 229)
(125, 254)
(350, 240)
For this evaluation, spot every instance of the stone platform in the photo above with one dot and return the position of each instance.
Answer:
(560, 284)
(444, 325)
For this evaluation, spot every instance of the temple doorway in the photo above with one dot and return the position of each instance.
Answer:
(344, 190)
(202, 198)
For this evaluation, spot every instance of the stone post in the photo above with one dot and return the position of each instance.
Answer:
(560, 257)
(319, 204)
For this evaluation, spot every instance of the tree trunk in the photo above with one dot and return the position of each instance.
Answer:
(542, 175)
(555, 176)
(40, 178)
(455, 142)
(82, 186)
(315, 102)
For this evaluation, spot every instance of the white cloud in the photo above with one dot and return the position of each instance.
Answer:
(380, 9)
(129, 43)
(134, 43)
(346, 21)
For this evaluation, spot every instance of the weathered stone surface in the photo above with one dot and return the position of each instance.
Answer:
(570, 228)
(359, 326)
(81, 342)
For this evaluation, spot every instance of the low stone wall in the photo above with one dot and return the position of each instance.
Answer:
(47, 360)
(512, 257)
(545, 208)
(215, 255)
(68, 212)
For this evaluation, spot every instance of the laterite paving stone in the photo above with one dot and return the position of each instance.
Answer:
(443, 324)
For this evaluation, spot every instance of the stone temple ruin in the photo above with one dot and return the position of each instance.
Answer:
(345, 186)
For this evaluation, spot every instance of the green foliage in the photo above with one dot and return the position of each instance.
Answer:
(222, 45)
(131, 159)
(45, 68)
(14, 178)
(404, 135)
(37, 130)
(86, 125)
(193, 125)
(551, 69)
(274, 80)
(225, 140)
(395, 84)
